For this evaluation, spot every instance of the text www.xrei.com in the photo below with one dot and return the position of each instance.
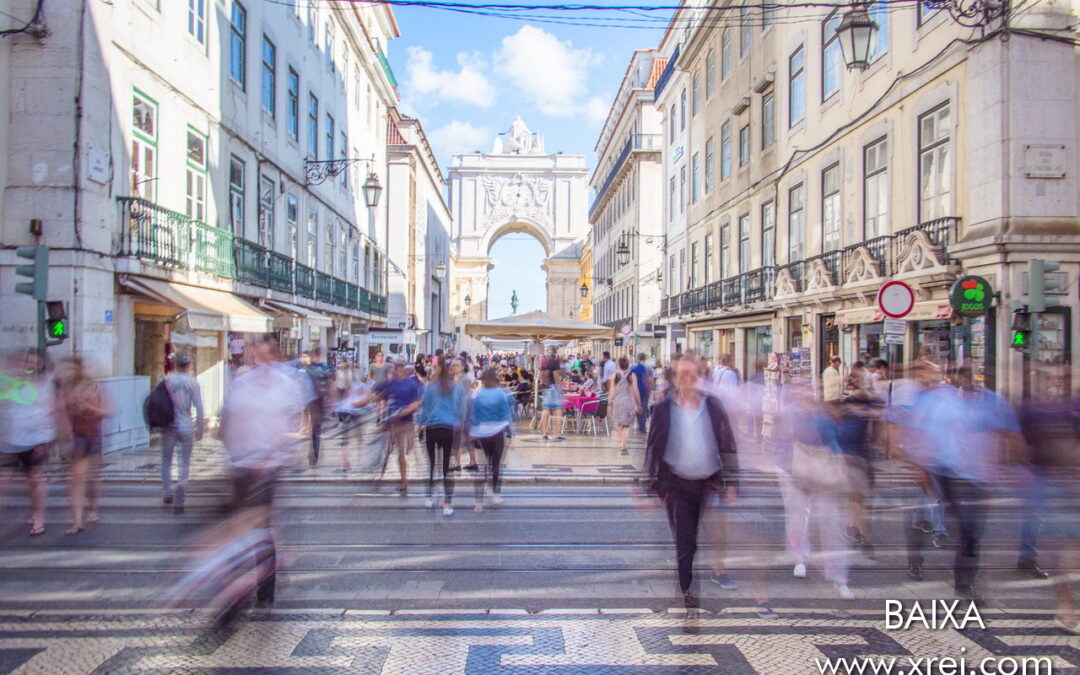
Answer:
(947, 665)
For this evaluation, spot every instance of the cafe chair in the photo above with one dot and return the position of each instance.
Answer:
(592, 414)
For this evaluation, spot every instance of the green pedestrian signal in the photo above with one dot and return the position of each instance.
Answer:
(56, 322)
(58, 329)
(1019, 339)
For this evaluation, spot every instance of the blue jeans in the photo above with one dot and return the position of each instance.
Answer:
(1033, 494)
(170, 438)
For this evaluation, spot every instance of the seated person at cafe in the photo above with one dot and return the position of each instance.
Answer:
(587, 382)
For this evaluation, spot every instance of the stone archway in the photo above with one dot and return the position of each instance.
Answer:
(516, 188)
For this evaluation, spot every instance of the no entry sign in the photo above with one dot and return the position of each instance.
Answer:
(896, 299)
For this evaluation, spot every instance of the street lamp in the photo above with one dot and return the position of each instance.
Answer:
(372, 190)
(856, 33)
(468, 300)
(440, 271)
(622, 252)
(584, 291)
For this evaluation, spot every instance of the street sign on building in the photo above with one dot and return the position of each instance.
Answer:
(894, 339)
(896, 299)
(895, 326)
(659, 331)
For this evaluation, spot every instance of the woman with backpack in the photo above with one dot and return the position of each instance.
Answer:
(85, 406)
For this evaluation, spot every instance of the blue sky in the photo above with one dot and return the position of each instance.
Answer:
(466, 77)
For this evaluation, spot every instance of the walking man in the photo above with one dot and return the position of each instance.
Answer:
(317, 371)
(183, 432)
(644, 378)
(690, 453)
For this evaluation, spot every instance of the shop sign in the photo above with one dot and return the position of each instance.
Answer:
(377, 337)
(618, 342)
(894, 339)
(678, 331)
(895, 326)
(659, 332)
(971, 296)
(896, 299)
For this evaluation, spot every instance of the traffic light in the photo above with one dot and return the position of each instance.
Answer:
(56, 322)
(1021, 331)
(38, 287)
(1039, 285)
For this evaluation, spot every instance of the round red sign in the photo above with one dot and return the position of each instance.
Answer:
(896, 299)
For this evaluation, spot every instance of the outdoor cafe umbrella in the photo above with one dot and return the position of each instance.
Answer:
(537, 326)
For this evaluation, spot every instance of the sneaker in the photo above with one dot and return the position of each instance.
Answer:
(472, 467)
(545, 438)
(560, 438)
(915, 572)
(447, 511)
(689, 601)
(844, 592)
(799, 571)
(429, 503)
(766, 612)
(940, 539)
(1032, 568)
(725, 581)
(923, 526)
(496, 500)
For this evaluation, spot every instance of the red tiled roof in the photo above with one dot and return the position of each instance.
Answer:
(658, 66)
(393, 134)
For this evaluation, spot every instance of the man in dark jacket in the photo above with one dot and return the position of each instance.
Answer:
(689, 453)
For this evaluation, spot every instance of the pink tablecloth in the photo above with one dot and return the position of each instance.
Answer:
(576, 402)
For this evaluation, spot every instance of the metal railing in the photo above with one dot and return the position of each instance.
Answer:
(324, 287)
(173, 239)
(305, 281)
(251, 262)
(280, 272)
(340, 293)
(669, 71)
(634, 142)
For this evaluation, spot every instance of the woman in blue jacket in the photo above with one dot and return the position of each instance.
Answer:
(489, 418)
(441, 413)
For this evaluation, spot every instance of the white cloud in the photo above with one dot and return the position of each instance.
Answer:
(551, 74)
(469, 84)
(596, 109)
(457, 137)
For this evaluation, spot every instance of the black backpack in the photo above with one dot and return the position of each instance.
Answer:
(158, 410)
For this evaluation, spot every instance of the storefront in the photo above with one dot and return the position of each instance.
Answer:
(758, 341)
(299, 329)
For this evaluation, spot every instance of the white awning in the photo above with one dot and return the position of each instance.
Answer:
(205, 308)
(312, 317)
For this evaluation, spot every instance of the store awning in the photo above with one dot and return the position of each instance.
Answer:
(205, 308)
(310, 316)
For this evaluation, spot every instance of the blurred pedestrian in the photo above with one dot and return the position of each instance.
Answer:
(460, 371)
(551, 397)
(625, 401)
(643, 377)
(31, 422)
(489, 420)
(690, 453)
(442, 412)
(319, 377)
(832, 381)
(186, 395)
(85, 407)
(401, 395)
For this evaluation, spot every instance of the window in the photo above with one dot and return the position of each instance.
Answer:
(293, 122)
(682, 110)
(695, 96)
(725, 150)
(710, 174)
(796, 224)
(830, 208)
(329, 46)
(725, 251)
(832, 61)
(266, 212)
(707, 276)
(313, 23)
(746, 31)
(292, 223)
(237, 172)
(744, 243)
(143, 147)
(196, 20)
(312, 237)
(329, 239)
(725, 54)
(744, 145)
(269, 77)
(354, 257)
(935, 184)
(796, 87)
(196, 176)
(768, 235)
(673, 281)
(879, 12)
(671, 200)
(695, 178)
(344, 148)
(357, 89)
(710, 73)
(238, 44)
(682, 189)
(693, 265)
(768, 120)
(682, 267)
(672, 123)
(313, 127)
(342, 250)
(875, 189)
(329, 136)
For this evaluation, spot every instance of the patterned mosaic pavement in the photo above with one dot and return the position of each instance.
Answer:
(510, 642)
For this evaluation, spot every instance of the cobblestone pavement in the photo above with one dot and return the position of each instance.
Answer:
(419, 642)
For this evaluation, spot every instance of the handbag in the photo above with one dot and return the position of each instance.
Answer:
(818, 467)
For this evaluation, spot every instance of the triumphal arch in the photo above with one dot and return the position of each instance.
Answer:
(517, 187)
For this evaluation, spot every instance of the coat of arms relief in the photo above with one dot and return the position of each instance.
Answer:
(516, 197)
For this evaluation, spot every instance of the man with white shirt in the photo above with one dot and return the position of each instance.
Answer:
(725, 377)
(608, 369)
(690, 452)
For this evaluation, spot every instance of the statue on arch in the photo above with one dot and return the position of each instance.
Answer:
(513, 302)
(518, 140)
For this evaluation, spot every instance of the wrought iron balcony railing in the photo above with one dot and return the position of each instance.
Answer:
(172, 239)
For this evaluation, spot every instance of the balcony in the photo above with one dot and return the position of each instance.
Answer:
(305, 281)
(669, 71)
(281, 272)
(636, 142)
(385, 63)
(252, 265)
(340, 293)
(172, 239)
(324, 287)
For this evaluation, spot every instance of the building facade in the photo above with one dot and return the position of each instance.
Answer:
(626, 213)
(812, 185)
(199, 172)
(418, 240)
